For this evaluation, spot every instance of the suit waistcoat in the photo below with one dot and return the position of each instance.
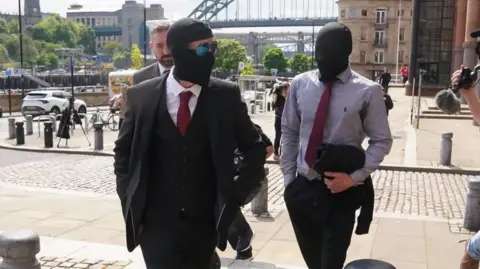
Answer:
(182, 177)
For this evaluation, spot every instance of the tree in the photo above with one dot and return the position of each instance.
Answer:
(112, 46)
(3, 26)
(119, 59)
(3, 54)
(263, 48)
(248, 69)
(300, 63)
(86, 38)
(136, 57)
(13, 27)
(275, 59)
(49, 60)
(230, 53)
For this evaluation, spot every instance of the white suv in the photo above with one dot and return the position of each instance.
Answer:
(38, 103)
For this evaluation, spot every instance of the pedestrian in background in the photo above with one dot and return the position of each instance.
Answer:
(120, 105)
(279, 97)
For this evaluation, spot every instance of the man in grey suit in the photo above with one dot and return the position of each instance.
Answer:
(158, 44)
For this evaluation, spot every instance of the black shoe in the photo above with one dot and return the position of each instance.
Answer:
(245, 254)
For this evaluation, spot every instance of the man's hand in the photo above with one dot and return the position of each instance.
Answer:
(339, 181)
(456, 78)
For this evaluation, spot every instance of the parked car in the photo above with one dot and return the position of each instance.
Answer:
(38, 103)
(1, 111)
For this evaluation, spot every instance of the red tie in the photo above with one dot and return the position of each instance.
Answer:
(316, 137)
(183, 115)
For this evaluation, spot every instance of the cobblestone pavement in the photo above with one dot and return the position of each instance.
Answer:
(405, 193)
(58, 263)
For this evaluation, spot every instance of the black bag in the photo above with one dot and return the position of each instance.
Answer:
(237, 162)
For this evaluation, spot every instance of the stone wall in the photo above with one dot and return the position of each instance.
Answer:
(91, 98)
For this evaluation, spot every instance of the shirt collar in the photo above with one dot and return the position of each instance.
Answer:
(161, 68)
(343, 77)
(174, 87)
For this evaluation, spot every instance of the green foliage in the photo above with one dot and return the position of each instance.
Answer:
(300, 63)
(230, 53)
(136, 57)
(41, 40)
(120, 58)
(3, 54)
(275, 59)
(49, 60)
(3, 26)
(112, 46)
(263, 48)
(248, 69)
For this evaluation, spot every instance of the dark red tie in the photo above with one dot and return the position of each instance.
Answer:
(316, 137)
(183, 115)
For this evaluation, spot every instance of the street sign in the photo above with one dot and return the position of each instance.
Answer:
(241, 66)
(9, 72)
(274, 71)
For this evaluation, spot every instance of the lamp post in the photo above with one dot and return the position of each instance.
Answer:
(144, 32)
(398, 35)
(313, 43)
(20, 26)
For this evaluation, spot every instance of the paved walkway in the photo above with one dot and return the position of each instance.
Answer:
(74, 230)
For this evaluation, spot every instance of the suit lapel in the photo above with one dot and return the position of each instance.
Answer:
(213, 121)
(155, 70)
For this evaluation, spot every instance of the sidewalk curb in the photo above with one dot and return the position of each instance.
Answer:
(389, 167)
(57, 150)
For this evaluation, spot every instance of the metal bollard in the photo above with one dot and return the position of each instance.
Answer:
(11, 128)
(446, 149)
(369, 264)
(48, 134)
(29, 125)
(471, 220)
(20, 133)
(260, 202)
(98, 135)
(269, 106)
(53, 119)
(19, 248)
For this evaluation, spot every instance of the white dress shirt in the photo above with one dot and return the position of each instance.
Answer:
(161, 68)
(173, 96)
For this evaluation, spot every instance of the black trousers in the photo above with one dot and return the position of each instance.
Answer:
(238, 228)
(278, 134)
(323, 222)
(120, 122)
(178, 243)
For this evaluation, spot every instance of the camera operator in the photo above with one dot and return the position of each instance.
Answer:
(471, 257)
(470, 96)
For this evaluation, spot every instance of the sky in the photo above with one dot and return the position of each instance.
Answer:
(175, 9)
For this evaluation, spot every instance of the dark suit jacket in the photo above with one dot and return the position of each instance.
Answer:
(146, 73)
(229, 127)
(347, 159)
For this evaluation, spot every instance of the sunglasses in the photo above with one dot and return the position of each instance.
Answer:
(204, 48)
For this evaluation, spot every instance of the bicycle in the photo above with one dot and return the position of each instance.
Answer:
(111, 121)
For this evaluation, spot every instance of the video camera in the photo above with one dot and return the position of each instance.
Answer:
(469, 77)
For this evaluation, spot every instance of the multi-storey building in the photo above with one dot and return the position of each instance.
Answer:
(378, 41)
(124, 25)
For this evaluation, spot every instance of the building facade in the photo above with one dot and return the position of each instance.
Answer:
(124, 25)
(378, 28)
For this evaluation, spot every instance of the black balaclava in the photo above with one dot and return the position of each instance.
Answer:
(188, 65)
(332, 49)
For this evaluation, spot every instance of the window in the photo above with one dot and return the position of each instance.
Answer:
(364, 12)
(342, 14)
(400, 56)
(401, 12)
(363, 34)
(381, 16)
(380, 37)
(378, 59)
(362, 57)
(353, 13)
(401, 35)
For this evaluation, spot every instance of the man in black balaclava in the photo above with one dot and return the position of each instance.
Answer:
(332, 49)
(174, 156)
(327, 114)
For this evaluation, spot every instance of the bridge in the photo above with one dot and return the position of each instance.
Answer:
(256, 13)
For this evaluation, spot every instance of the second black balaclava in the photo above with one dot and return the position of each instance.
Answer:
(332, 49)
(188, 65)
